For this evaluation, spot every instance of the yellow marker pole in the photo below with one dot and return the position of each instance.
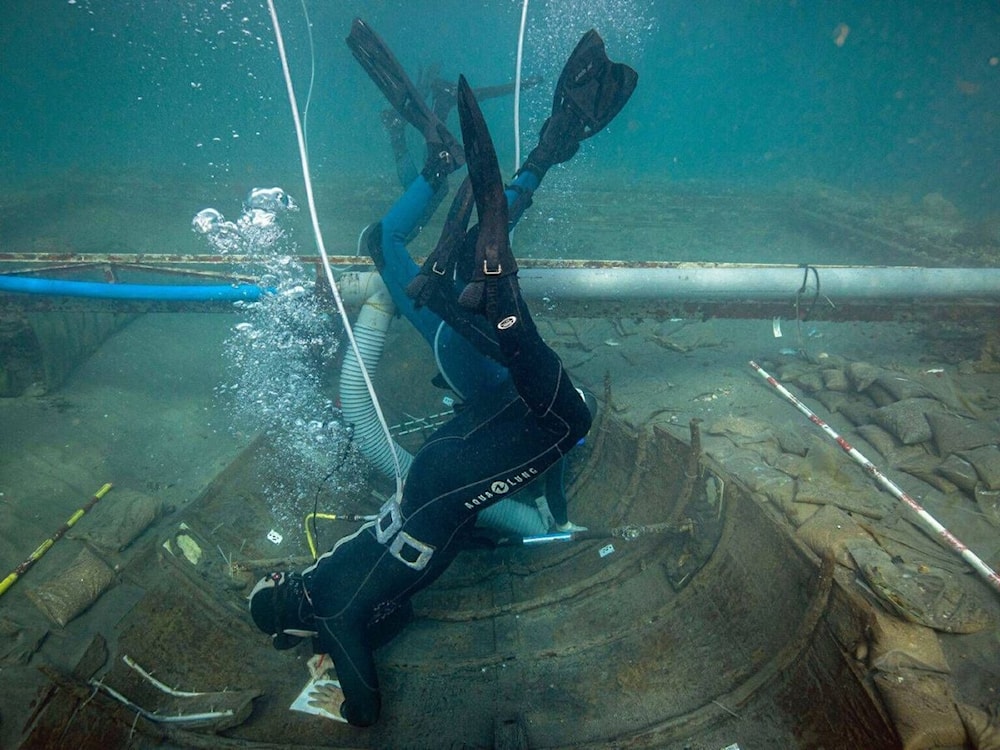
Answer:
(20, 570)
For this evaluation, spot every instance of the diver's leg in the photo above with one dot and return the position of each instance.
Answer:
(519, 195)
(386, 242)
(590, 92)
(535, 369)
(395, 126)
(406, 169)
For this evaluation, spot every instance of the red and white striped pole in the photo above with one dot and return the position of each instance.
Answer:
(949, 539)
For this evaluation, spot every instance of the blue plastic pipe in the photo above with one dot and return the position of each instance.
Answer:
(100, 290)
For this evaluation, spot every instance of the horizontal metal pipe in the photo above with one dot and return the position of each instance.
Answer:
(764, 283)
(601, 288)
(737, 282)
(603, 279)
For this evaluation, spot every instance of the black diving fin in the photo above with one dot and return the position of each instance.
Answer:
(592, 89)
(494, 259)
(590, 92)
(384, 69)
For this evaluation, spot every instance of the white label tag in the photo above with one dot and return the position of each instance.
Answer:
(606, 550)
(274, 536)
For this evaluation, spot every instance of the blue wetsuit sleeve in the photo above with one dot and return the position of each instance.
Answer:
(525, 183)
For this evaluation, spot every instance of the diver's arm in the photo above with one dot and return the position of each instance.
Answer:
(355, 665)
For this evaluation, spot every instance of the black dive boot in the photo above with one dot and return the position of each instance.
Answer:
(506, 314)
(440, 163)
(481, 254)
(591, 90)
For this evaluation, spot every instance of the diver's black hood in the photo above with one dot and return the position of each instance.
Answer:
(278, 603)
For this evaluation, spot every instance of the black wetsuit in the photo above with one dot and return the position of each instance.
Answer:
(491, 448)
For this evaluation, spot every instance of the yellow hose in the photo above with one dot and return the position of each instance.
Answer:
(330, 517)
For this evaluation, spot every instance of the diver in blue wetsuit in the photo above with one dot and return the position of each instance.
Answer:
(357, 596)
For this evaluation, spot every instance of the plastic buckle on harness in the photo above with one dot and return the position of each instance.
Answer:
(389, 521)
(424, 551)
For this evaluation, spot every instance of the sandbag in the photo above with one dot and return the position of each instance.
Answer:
(897, 644)
(987, 462)
(74, 589)
(983, 729)
(952, 434)
(828, 532)
(907, 419)
(922, 709)
(119, 520)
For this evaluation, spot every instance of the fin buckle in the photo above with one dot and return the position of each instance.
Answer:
(488, 272)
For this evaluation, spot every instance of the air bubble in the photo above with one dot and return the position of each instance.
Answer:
(277, 357)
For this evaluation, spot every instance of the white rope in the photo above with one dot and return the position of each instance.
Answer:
(320, 245)
(517, 86)
(312, 76)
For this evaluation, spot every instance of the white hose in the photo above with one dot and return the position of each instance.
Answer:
(356, 404)
(358, 401)
(321, 245)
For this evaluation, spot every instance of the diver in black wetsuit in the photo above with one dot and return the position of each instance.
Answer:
(357, 596)
(590, 92)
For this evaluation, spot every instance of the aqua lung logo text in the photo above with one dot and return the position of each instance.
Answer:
(501, 487)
